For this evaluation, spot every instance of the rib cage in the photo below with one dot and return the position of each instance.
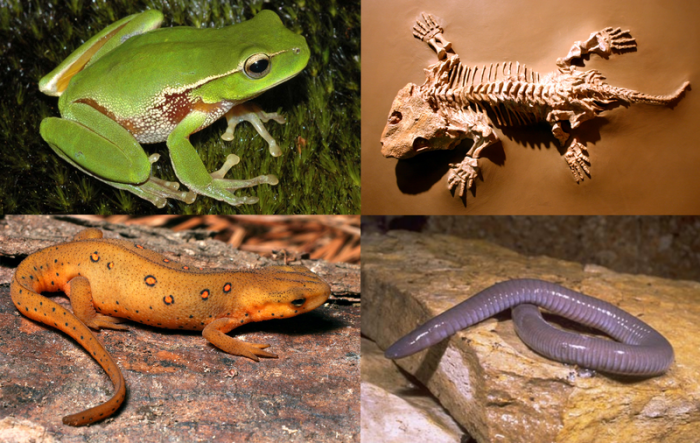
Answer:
(513, 95)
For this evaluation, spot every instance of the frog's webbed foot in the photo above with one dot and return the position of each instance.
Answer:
(252, 113)
(226, 186)
(156, 190)
(462, 175)
(603, 43)
(427, 30)
(576, 157)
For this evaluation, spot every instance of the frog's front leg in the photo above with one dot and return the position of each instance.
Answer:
(100, 147)
(193, 174)
(254, 115)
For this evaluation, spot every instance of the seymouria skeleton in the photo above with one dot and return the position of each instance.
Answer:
(458, 102)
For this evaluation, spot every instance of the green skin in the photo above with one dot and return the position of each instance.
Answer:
(163, 85)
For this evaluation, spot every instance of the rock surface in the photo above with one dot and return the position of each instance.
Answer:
(394, 410)
(499, 389)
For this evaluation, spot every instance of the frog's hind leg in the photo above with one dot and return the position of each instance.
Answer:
(100, 147)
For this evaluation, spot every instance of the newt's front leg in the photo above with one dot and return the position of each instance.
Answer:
(215, 333)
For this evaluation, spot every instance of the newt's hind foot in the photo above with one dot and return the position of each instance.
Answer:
(577, 158)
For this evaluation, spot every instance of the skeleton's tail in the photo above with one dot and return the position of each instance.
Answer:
(660, 100)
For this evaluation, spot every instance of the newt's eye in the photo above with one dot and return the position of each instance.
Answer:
(299, 302)
(257, 66)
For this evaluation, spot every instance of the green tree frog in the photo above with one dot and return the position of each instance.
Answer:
(132, 84)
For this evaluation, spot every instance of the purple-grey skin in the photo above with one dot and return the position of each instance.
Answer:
(641, 350)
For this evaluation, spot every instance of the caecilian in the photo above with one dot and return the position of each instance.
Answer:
(109, 281)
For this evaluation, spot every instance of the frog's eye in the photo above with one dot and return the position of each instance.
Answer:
(257, 66)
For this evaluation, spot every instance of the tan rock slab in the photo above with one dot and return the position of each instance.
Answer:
(499, 389)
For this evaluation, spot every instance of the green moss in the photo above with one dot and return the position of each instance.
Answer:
(320, 166)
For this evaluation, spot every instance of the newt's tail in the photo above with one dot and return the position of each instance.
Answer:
(659, 100)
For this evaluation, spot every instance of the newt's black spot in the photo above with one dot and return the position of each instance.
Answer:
(150, 280)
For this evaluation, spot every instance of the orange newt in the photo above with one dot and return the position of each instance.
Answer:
(108, 281)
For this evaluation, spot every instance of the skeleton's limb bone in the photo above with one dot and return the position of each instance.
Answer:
(430, 32)
(603, 43)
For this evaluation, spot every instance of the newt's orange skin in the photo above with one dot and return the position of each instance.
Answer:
(110, 280)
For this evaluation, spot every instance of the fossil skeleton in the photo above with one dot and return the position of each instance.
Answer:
(457, 102)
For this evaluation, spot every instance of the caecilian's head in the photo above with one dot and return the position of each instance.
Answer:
(284, 291)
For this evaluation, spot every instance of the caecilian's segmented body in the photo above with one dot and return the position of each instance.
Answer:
(458, 101)
(110, 280)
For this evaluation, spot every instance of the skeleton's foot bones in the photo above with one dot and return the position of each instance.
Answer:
(459, 101)
(603, 43)
(577, 158)
(429, 31)
(463, 175)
